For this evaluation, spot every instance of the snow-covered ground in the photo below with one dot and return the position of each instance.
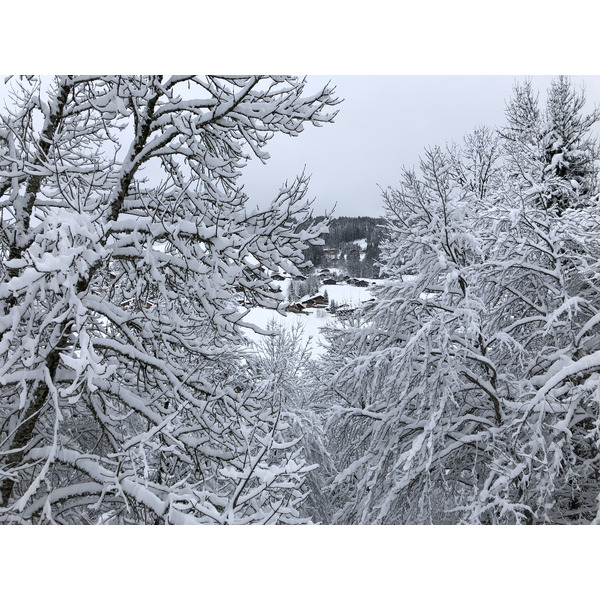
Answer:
(350, 295)
(311, 319)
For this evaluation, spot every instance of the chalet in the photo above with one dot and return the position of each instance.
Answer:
(361, 283)
(295, 307)
(329, 282)
(317, 301)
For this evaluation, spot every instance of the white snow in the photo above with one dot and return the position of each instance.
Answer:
(347, 294)
(311, 319)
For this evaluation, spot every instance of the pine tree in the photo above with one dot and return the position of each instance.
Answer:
(553, 152)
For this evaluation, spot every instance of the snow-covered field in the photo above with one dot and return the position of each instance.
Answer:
(347, 294)
(311, 319)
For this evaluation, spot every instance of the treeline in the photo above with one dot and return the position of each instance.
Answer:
(341, 250)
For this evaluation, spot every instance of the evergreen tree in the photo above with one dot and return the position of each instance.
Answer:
(552, 153)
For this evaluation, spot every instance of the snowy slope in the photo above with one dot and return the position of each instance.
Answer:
(347, 294)
(311, 319)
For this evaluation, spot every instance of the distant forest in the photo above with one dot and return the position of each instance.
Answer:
(341, 248)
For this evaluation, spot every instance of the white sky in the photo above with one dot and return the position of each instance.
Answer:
(384, 123)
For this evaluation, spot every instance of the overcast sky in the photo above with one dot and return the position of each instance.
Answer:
(383, 124)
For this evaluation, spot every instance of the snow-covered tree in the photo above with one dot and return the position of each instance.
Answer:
(281, 365)
(541, 303)
(418, 394)
(476, 163)
(554, 149)
(124, 238)
(541, 292)
(468, 390)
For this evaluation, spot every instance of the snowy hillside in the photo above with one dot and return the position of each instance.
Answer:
(312, 319)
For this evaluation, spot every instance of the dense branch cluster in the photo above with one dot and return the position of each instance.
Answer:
(124, 238)
(469, 390)
(466, 391)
